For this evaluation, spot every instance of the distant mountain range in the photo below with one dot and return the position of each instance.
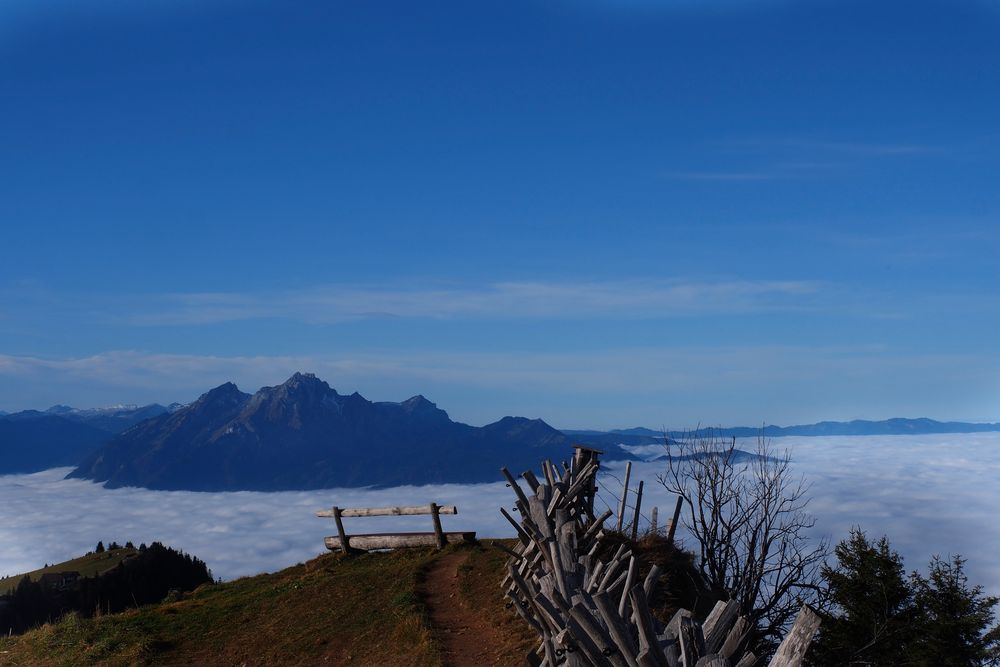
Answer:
(895, 426)
(32, 440)
(302, 435)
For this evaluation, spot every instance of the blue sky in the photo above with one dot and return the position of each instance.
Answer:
(599, 213)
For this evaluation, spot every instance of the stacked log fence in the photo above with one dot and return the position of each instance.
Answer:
(585, 599)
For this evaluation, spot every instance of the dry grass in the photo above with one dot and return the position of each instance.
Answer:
(333, 610)
(360, 610)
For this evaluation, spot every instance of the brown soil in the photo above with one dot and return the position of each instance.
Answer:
(466, 631)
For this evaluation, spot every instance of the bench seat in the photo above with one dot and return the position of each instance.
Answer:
(372, 541)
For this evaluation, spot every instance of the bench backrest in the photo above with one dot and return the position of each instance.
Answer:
(388, 511)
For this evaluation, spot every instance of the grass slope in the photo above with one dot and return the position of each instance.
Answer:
(88, 566)
(360, 610)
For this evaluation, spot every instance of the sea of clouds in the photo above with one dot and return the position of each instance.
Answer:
(931, 494)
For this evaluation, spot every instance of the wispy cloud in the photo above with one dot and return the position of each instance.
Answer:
(631, 299)
(791, 158)
(854, 148)
(733, 176)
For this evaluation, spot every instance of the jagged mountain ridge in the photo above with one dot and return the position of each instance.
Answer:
(302, 434)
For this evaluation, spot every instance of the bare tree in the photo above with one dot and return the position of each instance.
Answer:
(747, 513)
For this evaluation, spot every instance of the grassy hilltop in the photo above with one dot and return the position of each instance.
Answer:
(363, 610)
(91, 565)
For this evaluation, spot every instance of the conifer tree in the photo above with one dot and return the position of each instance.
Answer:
(873, 606)
(954, 618)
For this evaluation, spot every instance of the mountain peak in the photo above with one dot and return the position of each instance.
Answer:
(418, 401)
(225, 394)
(420, 407)
(307, 381)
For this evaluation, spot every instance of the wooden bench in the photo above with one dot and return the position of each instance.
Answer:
(438, 538)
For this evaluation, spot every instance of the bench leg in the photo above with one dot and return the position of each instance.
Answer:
(438, 533)
(344, 546)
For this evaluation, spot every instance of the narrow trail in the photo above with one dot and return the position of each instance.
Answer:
(468, 638)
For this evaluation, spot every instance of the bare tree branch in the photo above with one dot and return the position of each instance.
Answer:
(747, 512)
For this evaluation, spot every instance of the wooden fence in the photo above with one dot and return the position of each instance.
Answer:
(593, 611)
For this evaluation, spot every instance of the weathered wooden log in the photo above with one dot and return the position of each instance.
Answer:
(521, 532)
(532, 481)
(617, 628)
(736, 638)
(635, 517)
(515, 487)
(598, 634)
(547, 473)
(673, 630)
(621, 503)
(793, 648)
(692, 642)
(652, 579)
(716, 627)
(595, 527)
(712, 660)
(673, 522)
(514, 555)
(568, 650)
(648, 639)
(593, 652)
(611, 570)
(523, 610)
(633, 566)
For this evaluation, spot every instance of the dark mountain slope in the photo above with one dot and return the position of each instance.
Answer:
(29, 443)
(302, 435)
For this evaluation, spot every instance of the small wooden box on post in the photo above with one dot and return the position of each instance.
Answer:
(367, 542)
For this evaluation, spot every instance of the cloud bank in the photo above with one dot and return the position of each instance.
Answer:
(929, 494)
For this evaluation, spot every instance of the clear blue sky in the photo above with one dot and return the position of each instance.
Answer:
(602, 213)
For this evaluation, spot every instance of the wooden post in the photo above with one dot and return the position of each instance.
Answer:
(344, 546)
(621, 504)
(652, 520)
(673, 522)
(635, 518)
(438, 533)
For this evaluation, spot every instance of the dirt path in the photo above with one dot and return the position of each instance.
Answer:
(468, 638)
